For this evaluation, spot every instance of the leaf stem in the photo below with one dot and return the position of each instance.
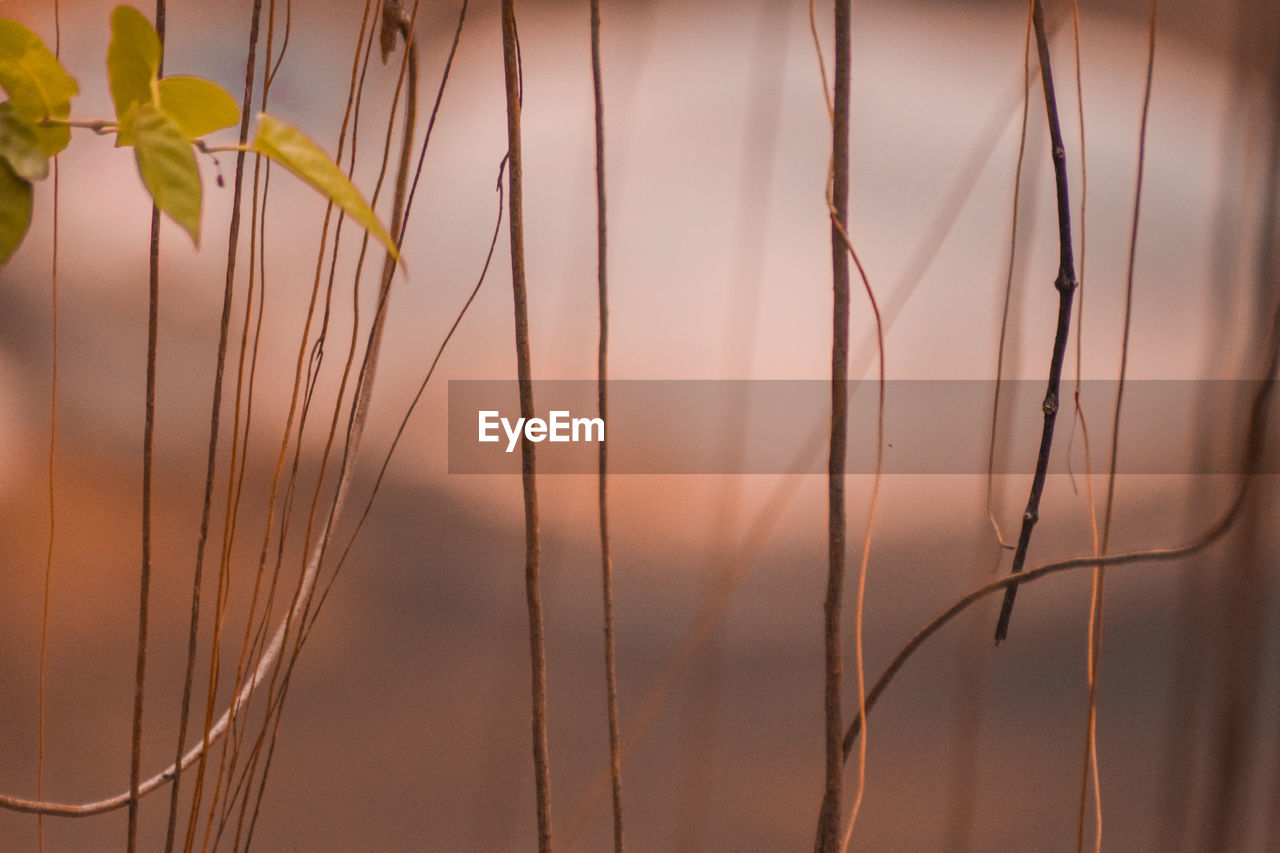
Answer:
(98, 126)
(206, 148)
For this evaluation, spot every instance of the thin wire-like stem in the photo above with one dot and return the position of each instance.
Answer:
(838, 195)
(1213, 534)
(1095, 618)
(1128, 290)
(860, 605)
(48, 557)
(1094, 639)
(148, 440)
(602, 385)
(404, 422)
(215, 418)
(1065, 283)
(864, 563)
(53, 445)
(231, 749)
(242, 414)
(239, 447)
(528, 467)
(1091, 772)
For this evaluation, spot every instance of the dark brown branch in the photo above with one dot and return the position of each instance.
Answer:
(1066, 286)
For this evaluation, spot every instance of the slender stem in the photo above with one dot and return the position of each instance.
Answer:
(241, 148)
(602, 374)
(53, 444)
(215, 418)
(1066, 286)
(1095, 610)
(99, 126)
(829, 838)
(1213, 534)
(528, 468)
(48, 559)
(1095, 632)
(148, 439)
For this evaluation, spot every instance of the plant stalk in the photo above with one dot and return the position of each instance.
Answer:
(528, 469)
(1066, 285)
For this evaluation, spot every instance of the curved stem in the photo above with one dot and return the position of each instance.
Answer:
(1066, 286)
(1256, 434)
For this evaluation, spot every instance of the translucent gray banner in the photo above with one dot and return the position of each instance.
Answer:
(780, 426)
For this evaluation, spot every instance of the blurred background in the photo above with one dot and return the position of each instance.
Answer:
(407, 722)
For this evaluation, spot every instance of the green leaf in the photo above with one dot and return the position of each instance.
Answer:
(289, 147)
(167, 165)
(20, 146)
(15, 211)
(133, 64)
(198, 106)
(38, 86)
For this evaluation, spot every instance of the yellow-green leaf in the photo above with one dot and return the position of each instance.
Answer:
(20, 146)
(15, 211)
(133, 63)
(167, 165)
(289, 147)
(198, 106)
(38, 86)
